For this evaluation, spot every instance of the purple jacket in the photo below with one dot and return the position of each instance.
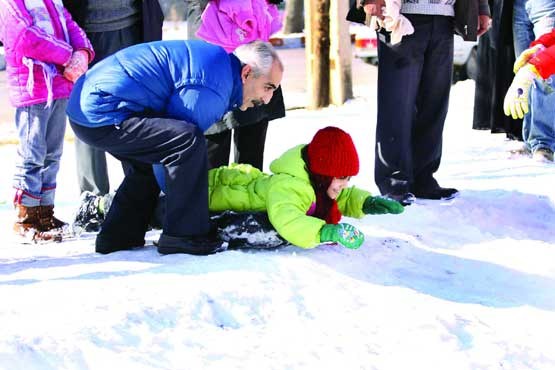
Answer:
(29, 46)
(230, 23)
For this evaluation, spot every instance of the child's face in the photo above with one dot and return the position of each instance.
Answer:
(337, 184)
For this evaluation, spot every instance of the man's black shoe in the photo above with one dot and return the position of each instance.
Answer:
(406, 199)
(199, 245)
(436, 193)
(107, 244)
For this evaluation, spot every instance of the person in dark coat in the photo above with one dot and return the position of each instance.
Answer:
(495, 59)
(111, 26)
(150, 104)
(414, 81)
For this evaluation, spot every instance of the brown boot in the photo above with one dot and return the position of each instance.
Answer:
(29, 227)
(47, 220)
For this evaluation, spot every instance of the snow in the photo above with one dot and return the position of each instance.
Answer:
(462, 284)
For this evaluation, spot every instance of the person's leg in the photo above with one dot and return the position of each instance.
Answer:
(27, 180)
(431, 105)
(127, 220)
(31, 153)
(55, 130)
(542, 115)
(523, 35)
(180, 148)
(542, 104)
(399, 75)
(194, 12)
(249, 144)
(218, 148)
(92, 171)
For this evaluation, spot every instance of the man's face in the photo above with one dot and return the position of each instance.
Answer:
(259, 90)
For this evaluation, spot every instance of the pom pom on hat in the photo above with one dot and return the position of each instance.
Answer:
(332, 153)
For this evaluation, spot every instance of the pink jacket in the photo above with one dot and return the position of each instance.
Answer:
(230, 23)
(29, 46)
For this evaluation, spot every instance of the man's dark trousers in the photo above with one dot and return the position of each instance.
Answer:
(141, 142)
(414, 80)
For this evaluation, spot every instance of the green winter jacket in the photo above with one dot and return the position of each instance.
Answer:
(287, 196)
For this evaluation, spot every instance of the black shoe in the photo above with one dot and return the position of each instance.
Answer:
(107, 244)
(406, 199)
(436, 193)
(200, 245)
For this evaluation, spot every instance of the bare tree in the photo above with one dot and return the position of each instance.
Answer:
(318, 52)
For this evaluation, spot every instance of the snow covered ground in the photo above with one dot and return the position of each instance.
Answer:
(464, 284)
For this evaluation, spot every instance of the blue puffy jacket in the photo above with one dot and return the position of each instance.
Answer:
(193, 81)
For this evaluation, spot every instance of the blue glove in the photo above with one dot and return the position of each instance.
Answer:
(344, 234)
(379, 206)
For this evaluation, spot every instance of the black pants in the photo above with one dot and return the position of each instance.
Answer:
(249, 138)
(249, 144)
(141, 142)
(414, 80)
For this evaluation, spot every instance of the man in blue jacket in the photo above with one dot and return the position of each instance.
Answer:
(150, 104)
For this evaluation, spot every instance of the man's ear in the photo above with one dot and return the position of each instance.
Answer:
(245, 71)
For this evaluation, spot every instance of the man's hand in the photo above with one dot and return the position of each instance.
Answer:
(374, 7)
(77, 65)
(526, 55)
(516, 99)
(345, 234)
(484, 24)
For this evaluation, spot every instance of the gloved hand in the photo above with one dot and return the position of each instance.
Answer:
(345, 234)
(77, 65)
(516, 99)
(526, 55)
(379, 206)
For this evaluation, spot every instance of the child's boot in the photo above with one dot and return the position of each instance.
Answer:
(28, 225)
(47, 220)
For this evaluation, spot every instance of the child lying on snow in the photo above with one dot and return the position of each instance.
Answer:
(307, 193)
(303, 199)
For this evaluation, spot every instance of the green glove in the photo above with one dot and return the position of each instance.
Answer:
(345, 234)
(516, 99)
(380, 206)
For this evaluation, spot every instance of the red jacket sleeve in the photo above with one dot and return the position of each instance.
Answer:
(544, 62)
(546, 40)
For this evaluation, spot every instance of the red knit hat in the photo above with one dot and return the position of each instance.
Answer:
(332, 153)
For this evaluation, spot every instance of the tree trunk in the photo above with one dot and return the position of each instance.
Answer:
(294, 19)
(341, 85)
(318, 52)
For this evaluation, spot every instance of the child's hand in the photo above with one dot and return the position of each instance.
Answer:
(380, 206)
(526, 55)
(78, 64)
(516, 99)
(345, 234)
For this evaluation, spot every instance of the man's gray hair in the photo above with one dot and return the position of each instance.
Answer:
(259, 55)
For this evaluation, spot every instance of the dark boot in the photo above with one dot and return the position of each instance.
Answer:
(28, 225)
(107, 243)
(200, 245)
